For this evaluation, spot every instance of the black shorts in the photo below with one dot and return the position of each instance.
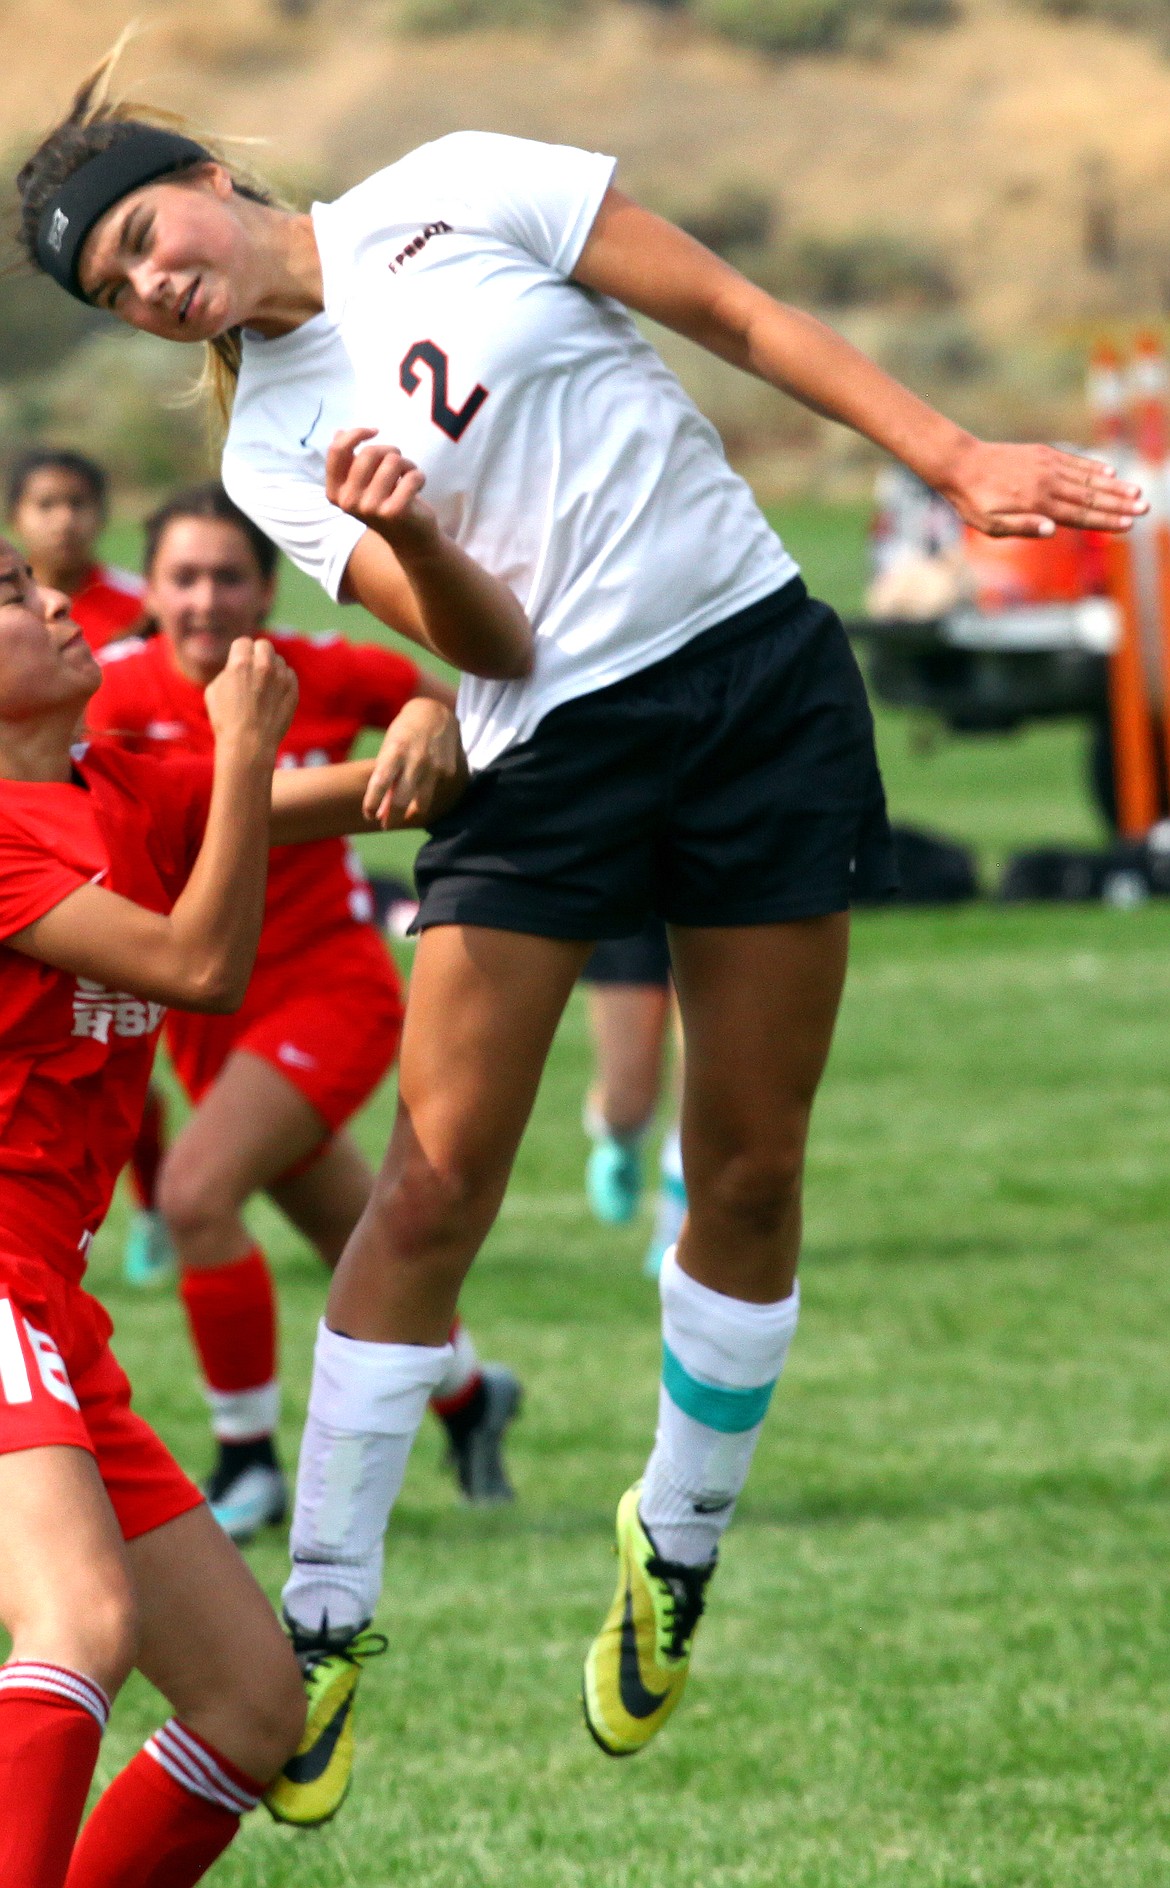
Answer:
(735, 782)
(643, 959)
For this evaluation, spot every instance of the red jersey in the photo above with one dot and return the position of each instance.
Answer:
(148, 703)
(75, 1057)
(108, 605)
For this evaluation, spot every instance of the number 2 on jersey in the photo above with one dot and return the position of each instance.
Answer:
(450, 420)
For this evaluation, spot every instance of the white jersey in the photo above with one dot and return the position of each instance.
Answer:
(559, 451)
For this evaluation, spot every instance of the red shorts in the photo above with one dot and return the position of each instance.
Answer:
(328, 1020)
(61, 1383)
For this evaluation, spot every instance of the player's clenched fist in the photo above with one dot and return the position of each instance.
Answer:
(253, 696)
(380, 488)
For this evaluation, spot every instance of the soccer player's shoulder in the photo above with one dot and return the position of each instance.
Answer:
(309, 655)
(303, 651)
(110, 768)
(125, 649)
(127, 583)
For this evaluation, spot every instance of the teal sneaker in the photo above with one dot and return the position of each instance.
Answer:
(149, 1257)
(613, 1180)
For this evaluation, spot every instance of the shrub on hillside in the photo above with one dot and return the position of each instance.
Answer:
(870, 267)
(790, 26)
(39, 326)
(1151, 14)
(116, 398)
(464, 16)
(737, 218)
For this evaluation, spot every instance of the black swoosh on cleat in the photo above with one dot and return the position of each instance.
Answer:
(636, 1699)
(310, 1765)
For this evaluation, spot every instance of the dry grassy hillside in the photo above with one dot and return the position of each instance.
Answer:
(1030, 155)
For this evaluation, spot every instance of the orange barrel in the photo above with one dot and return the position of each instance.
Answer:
(1007, 572)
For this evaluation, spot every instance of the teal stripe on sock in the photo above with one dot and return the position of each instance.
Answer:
(730, 1411)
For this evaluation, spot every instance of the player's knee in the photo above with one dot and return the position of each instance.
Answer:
(272, 1720)
(757, 1190)
(257, 1717)
(425, 1207)
(111, 1628)
(189, 1200)
(88, 1624)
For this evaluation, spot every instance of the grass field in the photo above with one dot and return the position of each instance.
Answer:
(938, 1653)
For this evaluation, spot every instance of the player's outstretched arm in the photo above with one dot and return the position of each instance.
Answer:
(199, 957)
(1005, 490)
(420, 772)
(411, 575)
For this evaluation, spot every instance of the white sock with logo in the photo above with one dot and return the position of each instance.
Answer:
(720, 1362)
(365, 1407)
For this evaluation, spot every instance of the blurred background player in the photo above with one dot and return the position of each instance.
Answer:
(631, 1008)
(124, 886)
(57, 503)
(275, 1083)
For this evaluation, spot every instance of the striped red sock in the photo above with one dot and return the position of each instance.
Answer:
(51, 1723)
(232, 1313)
(165, 1819)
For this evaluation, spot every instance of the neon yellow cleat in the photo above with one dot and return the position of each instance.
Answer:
(313, 1784)
(637, 1666)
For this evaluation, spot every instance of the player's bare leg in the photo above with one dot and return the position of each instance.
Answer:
(483, 1008)
(326, 1199)
(759, 1003)
(210, 1643)
(250, 1127)
(628, 1023)
(476, 1402)
(758, 1006)
(148, 1257)
(254, 1131)
(67, 1600)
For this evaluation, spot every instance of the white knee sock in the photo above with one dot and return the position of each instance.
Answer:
(365, 1406)
(720, 1361)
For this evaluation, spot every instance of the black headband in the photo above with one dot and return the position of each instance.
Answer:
(95, 186)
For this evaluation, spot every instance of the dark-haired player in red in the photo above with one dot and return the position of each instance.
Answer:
(57, 505)
(126, 886)
(58, 502)
(275, 1084)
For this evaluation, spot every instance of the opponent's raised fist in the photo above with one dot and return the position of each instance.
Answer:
(254, 695)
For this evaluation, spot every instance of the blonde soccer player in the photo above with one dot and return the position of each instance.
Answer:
(667, 723)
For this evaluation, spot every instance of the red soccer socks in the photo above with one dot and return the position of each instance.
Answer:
(51, 1723)
(165, 1819)
(232, 1313)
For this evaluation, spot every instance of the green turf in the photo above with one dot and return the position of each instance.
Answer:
(938, 1653)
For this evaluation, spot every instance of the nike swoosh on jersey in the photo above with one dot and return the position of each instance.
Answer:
(296, 1058)
(635, 1696)
(312, 1764)
(305, 438)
